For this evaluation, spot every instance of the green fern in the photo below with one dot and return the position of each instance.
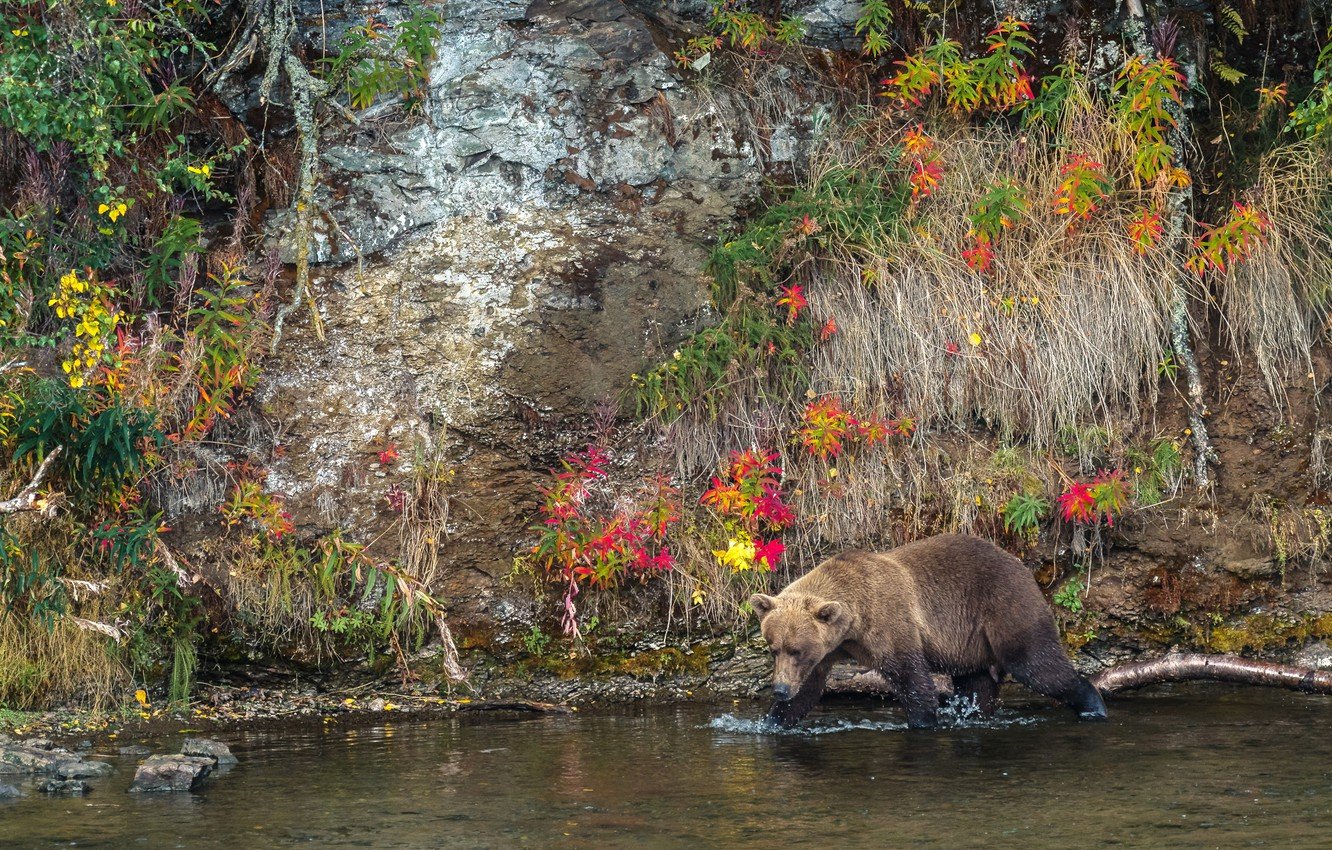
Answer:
(1226, 72)
(1230, 18)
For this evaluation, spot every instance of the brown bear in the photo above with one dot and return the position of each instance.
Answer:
(950, 604)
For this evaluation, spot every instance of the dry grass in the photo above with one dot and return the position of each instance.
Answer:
(1299, 535)
(1071, 325)
(63, 665)
(425, 517)
(1275, 303)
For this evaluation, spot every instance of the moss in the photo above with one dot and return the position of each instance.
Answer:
(1262, 632)
(644, 666)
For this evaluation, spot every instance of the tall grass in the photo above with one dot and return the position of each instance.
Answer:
(1068, 326)
(65, 664)
(1276, 303)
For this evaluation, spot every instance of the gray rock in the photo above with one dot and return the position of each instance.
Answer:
(40, 744)
(9, 792)
(1317, 655)
(80, 769)
(72, 787)
(23, 760)
(170, 773)
(208, 748)
(135, 750)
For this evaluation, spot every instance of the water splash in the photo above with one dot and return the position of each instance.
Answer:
(762, 726)
(956, 713)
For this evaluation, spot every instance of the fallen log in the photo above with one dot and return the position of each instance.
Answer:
(1188, 667)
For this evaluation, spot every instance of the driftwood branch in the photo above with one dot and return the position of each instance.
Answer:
(26, 500)
(1175, 667)
(1188, 667)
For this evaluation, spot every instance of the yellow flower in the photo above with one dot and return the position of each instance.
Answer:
(974, 338)
(141, 696)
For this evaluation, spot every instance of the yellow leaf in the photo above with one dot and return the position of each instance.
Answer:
(141, 696)
(102, 208)
(974, 338)
(738, 555)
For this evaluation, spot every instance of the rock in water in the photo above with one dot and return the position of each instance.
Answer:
(171, 773)
(73, 787)
(9, 792)
(23, 759)
(80, 769)
(208, 748)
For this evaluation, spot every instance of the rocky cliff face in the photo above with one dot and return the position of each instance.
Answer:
(490, 274)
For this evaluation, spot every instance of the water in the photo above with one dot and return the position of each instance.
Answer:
(1196, 767)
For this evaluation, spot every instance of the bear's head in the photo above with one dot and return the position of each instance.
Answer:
(801, 631)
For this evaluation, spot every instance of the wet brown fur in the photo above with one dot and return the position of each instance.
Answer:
(950, 604)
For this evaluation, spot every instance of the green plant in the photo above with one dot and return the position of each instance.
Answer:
(536, 641)
(872, 26)
(1023, 513)
(1156, 469)
(1069, 596)
(1312, 116)
(996, 80)
(105, 442)
(373, 60)
(1147, 92)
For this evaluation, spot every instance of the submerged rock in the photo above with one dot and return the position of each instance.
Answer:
(72, 787)
(171, 773)
(77, 768)
(9, 792)
(135, 750)
(208, 748)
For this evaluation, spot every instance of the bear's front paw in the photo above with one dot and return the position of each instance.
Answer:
(783, 714)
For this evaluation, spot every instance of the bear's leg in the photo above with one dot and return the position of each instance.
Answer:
(792, 711)
(916, 691)
(1050, 673)
(981, 687)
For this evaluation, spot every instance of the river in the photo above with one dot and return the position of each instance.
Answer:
(1181, 767)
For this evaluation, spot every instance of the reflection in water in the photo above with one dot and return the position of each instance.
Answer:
(1186, 768)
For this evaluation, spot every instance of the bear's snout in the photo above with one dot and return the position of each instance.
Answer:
(781, 691)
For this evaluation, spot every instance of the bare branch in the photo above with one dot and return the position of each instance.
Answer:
(27, 500)
(1187, 667)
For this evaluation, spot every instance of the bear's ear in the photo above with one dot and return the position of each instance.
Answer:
(830, 613)
(762, 604)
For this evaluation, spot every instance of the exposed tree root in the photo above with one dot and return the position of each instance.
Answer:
(1188, 667)
(27, 498)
